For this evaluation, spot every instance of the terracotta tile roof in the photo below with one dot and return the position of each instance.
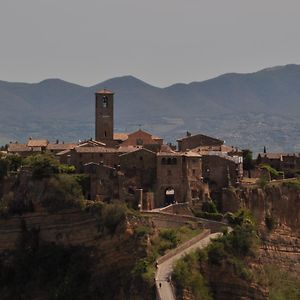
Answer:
(169, 154)
(18, 148)
(121, 136)
(61, 146)
(37, 143)
(155, 137)
(191, 154)
(201, 136)
(166, 149)
(91, 143)
(105, 91)
(136, 150)
(63, 152)
(125, 149)
(96, 150)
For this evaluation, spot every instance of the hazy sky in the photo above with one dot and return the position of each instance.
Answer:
(159, 41)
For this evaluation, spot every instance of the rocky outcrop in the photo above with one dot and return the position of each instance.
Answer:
(277, 211)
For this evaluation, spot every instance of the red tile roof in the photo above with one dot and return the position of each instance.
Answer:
(18, 148)
(121, 136)
(61, 146)
(105, 91)
(37, 143)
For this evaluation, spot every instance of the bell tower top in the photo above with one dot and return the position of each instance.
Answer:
(104, 101)
(104, 91)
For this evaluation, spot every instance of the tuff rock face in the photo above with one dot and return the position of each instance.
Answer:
(281, 205)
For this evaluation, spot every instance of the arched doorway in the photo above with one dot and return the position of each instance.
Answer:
(169, 196)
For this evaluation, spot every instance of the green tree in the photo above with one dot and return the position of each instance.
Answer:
(14, 162)
(248, 163)
(63, 191)
(43, 165)
(3, 168)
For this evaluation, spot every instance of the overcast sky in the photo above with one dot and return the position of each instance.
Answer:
(159, 41)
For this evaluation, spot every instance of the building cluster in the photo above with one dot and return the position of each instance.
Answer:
(140, 167)
(280, 161)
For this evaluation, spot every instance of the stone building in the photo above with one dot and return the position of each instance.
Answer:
(221, 171)
(104, 181)
(141, 165)
(280, 161)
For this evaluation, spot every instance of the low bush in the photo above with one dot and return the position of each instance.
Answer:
(113, 214)
(209, 207)
(42, 165)
(3, 168)
(187, 275)
(62, 192)
(216, 253)
(282, 284)
(262, 182)
(209, 216)
(142, 230)
(66, 169)
(273, 172)
(270, 222)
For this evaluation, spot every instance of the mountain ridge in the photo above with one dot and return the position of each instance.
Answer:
(222, 106)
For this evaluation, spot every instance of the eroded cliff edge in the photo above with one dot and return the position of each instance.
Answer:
(276, 207)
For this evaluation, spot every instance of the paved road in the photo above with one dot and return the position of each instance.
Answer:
(164, 270)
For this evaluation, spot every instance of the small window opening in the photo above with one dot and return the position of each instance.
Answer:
(104, 101)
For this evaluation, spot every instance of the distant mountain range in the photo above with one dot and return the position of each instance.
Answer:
(246, 110)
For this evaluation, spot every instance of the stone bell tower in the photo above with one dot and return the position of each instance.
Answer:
(104, 116)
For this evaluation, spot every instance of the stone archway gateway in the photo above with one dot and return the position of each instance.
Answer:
(169, 196)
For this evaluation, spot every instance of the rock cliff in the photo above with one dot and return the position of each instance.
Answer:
(277, 211)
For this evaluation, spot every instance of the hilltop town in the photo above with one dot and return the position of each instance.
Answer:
(139, 167)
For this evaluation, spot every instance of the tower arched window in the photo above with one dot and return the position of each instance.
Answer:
(104, 102)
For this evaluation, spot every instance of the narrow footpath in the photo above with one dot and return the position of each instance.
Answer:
(165, 290)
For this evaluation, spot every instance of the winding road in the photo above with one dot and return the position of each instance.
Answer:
(163, 283)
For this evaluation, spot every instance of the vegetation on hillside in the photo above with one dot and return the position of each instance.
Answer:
(48, 183)
(208, 211)
(160, 243)
(230, 250)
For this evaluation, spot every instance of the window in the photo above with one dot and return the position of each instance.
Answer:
(169, 172)
(194, 172)
(139, 142)
(174, 161)
(141, 158)
(163, 161)
(104, 101)
(105, 133)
